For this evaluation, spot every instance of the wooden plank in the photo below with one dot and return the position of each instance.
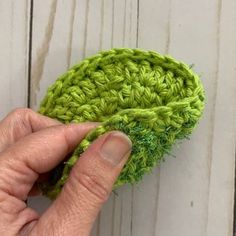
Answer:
(152, 34)
(50, 45)
(14, 22)
(120, 19)
(51, 50)
(190, 199)
(221, 189)
(96, 25)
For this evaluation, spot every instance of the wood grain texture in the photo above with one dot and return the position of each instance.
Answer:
(14, 21)
(194, 185)
(191, 194)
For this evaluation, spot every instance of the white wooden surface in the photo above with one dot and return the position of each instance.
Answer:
(192, 194)
(14, 21)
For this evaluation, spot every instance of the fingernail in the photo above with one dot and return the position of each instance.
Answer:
(115, 147)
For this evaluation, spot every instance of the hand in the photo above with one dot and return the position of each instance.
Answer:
(30, 146)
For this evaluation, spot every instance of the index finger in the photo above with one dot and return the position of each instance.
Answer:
(21, 122)
(37, 153)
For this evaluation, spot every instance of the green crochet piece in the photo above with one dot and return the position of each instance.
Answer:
(154, 99)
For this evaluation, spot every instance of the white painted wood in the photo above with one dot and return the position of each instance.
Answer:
(196, 188)
(152, 34)
(90, 33)
(14, 19)
(191, 194)
(221, 194)
(51, 40)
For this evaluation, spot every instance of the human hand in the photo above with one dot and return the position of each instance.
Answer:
(30, 146)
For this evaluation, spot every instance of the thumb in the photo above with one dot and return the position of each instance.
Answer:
(89, 185)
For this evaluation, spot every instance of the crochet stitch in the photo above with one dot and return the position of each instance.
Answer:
(154, 99)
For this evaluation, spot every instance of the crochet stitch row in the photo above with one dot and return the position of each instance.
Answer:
(154, 99)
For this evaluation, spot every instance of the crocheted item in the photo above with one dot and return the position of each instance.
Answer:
(154, 99)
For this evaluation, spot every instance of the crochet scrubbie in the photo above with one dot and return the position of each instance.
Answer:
(154, 99)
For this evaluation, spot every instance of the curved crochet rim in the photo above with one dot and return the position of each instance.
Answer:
(167, 62)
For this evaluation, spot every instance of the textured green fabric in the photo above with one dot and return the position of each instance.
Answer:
(154, 99)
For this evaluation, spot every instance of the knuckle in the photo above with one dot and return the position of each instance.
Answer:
(20, 116)
(20, 111)
(94, 185)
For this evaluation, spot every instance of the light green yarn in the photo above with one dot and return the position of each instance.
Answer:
(154, 99)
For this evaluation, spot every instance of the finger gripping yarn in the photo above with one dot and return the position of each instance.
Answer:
(154, 99)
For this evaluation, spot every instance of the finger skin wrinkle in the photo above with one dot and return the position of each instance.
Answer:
(91, 184)
(15, 173)
(23, 117)
(20, 123)
(10, 208)
(66, 141)
(10, 205)
(14, 214)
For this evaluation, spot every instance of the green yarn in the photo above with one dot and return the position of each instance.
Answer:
(154, 99)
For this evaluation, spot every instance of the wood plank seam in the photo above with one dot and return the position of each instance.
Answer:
(167, 47)
(30, 33)
(69, 47)
(137, 29)
(213, 110)
(42, 53)
(86, 28)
